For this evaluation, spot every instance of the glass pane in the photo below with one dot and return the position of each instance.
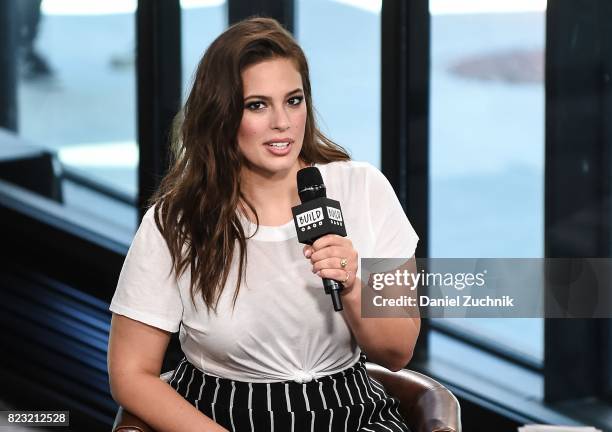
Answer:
(487, 143)
(202, 21)
(76, 98)
(341, 39)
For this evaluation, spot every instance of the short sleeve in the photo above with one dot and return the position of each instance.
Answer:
(147, 290)
(393, 234)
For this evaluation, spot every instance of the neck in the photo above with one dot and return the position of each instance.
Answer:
(271, 195)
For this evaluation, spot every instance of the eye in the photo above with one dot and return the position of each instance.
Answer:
(255, 106)
(296, 100)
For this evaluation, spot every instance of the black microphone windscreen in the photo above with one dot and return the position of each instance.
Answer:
(310, 184)
(309, 176)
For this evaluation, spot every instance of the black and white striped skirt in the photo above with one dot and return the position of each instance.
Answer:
(347, 401)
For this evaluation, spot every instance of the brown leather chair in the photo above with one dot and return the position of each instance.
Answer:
(426, 404)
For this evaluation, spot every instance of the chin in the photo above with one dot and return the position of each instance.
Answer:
(266, 164)
(280, 166)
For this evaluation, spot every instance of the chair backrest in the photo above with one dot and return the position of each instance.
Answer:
(425, 404)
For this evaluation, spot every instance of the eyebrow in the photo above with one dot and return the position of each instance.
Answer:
(297, 90)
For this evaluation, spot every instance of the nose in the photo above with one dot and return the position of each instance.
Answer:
(280, 119)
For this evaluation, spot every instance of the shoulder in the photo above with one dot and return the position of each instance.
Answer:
(349, 168)
(148, 225)
(150, 214)
(148, 219)
(354, 181)
(355, 172)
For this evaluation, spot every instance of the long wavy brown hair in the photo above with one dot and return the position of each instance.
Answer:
(197, 201)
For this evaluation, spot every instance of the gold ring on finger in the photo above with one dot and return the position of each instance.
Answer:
(343, 262)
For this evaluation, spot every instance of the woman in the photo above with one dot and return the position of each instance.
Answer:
(216, 257)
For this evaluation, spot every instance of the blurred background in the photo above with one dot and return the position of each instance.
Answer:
(461, 103)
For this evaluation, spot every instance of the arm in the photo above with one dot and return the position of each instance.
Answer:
(387, 341)
(135, 355)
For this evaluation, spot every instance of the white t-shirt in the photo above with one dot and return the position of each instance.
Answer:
(283, 326)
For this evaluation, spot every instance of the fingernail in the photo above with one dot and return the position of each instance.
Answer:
(307, 253)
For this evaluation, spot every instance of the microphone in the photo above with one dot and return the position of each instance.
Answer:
(318, 216)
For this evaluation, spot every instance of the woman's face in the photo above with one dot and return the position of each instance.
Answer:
(271, 131)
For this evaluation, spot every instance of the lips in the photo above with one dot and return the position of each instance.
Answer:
(280, 146)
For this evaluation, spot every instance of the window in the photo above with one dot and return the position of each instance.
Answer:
(202, 21)
(341, 40)
(487, 146)
(76, 99)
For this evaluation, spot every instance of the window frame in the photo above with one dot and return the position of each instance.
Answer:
(405, 152)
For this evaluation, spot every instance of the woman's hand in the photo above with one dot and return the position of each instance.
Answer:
(334, 257)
